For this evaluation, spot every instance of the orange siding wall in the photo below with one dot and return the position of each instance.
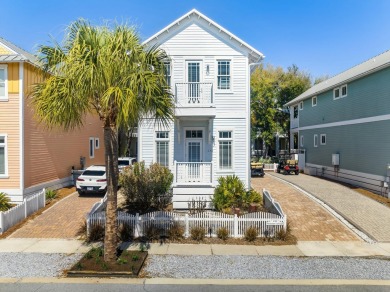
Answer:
(9, 124)
(50, 155)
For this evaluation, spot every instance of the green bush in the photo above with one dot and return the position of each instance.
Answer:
(251, 196)
(50, 195)
(223, 233)
(5, 202)
(251, 234)
(148, 187)
(198, 233)
(228, 193)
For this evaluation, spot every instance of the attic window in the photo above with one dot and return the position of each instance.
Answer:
(314, 101)
(339, 92)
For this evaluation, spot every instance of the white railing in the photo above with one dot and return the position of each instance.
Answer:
(270, 166)
(99, 206)
(267, 224)
(193, 173)
(193, 94)
(16, 214)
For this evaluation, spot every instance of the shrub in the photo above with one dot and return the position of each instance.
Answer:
(223, 233)
(228, 193)
(153, 232)
(251, 196)
(148, 187)
(96, 233)
(50, 195)
(284, 234)
(176, 232)
(125, 232)
(198, 233)
(251, 234)
(5, 202)
(197, 205)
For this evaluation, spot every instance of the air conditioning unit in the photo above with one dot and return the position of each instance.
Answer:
(336, 159)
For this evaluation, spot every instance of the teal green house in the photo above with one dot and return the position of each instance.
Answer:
(343, 126)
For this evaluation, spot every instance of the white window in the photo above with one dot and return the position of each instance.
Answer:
(301, 105)
(167, 72)
(3, 83)
(295, 112)
(301, 140)
(3, 156)
(223, 75)
(314, 101)
(315, 140)
(323, 139)
(91, 147)
(162, 148)
(225, 149)
(339, 92)
(97, 143)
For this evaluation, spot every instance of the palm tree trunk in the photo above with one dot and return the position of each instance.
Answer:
(111, 157)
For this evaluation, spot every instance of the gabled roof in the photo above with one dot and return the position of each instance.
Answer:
(16, 54)
(368, 67)
(195, 16)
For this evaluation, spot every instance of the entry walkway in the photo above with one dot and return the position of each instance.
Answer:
(62, 220)
(366, 214)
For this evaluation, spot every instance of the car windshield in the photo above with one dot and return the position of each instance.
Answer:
(94, 172)
(123, 162)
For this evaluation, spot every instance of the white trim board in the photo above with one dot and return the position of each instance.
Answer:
(347, 122)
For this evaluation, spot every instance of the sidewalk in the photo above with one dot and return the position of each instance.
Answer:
(303, 248)
(366, 214)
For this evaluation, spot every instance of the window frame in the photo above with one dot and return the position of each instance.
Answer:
(5, 68)
(295, 112)
(5, 146)
(229, 76)
(158, 140)
(322, 136)
(224, 139)
(314, 98)
(97, 143)
(302, 141)
(315, 140)
(340, 91)
(91, 147)
(169, 63)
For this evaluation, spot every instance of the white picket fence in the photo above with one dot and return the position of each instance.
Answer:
(16, 214)
(267, 224)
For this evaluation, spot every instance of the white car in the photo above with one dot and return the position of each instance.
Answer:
(92, 180)
(124, 162)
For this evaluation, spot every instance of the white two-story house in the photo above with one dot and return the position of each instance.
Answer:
(209, 74)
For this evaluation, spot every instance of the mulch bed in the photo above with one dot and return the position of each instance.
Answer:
(61, 194)
(128, 264)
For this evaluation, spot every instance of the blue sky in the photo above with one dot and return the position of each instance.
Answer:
(322, 37)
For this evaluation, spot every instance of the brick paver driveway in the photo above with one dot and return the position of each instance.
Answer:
(366, 214)
(62, 220)
(309, 221)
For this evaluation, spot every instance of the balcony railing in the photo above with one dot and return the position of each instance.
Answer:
(193, 173)
(194, 94)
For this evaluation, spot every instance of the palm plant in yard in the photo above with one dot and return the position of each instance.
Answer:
(102, 70)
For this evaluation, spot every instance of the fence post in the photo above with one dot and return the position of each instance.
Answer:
(235, 226)
(187, 232)
(88, 224)
(137, 219)
(285, 222)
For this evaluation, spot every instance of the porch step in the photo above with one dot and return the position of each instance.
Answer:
(184, 195)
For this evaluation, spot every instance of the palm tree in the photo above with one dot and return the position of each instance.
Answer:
(103, 70)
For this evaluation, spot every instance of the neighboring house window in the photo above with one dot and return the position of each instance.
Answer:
(323, 139)
(301, 140)
(339, 92)
(162, 148)
(314, 101)
(295, 112)
(315, 140)
(91, 147)
(301, 105)
(225, 150)
(224, 75)
(3, 82)
(3, 156)
(167, 72)
(97, 143)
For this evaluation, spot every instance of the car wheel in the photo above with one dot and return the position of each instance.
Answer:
(80, 193)
(297, 172)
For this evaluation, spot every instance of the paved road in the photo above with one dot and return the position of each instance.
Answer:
(309, 221)
(366, 214)
(62, 220)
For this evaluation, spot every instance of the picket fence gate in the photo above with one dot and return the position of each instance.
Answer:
(19, 212)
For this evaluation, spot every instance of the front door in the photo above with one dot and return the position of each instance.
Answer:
(194, 150)
(193, 80)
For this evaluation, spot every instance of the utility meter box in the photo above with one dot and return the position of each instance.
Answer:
(336, 159)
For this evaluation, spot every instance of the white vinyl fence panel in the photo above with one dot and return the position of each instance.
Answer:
(16, 214)
(267, 224)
